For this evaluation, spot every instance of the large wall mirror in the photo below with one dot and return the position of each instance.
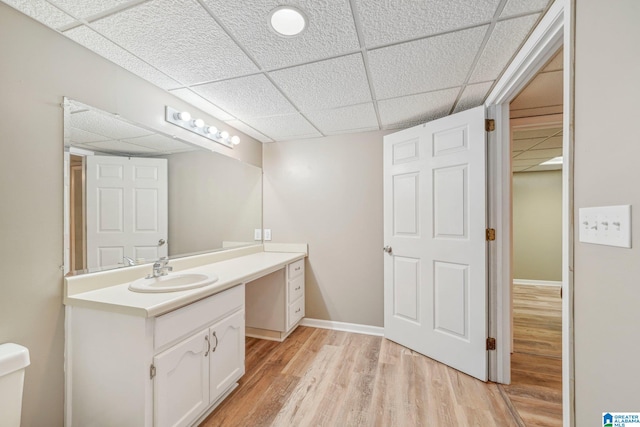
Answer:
(133, 195)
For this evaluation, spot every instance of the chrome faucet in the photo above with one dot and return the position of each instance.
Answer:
(160, 268)
(129, 261)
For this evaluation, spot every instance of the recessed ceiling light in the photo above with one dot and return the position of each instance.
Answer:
(554, 161)
(287, 21)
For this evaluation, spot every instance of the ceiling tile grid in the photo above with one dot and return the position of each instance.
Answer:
(109, 50)
(359, 64)
(251, 96)
(424, 65)
(415, 109)
(330, 31)
(179, 38)
(392, 21)
(327, 84)
(345, 119)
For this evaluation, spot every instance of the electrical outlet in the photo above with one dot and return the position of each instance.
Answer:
(267, 234)
(257, 234)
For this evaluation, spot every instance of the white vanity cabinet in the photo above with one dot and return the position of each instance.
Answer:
(275, 303)
(170, 370)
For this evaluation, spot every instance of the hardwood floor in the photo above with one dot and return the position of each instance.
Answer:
(536, 363)
(319, 377)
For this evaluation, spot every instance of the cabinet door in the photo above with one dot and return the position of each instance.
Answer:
(181, 384)
(227, 353)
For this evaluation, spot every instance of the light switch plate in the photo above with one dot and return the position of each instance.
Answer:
(267, 234)
(257, 234)
(606, 225)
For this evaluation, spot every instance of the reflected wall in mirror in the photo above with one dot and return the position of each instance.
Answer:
(133, 195)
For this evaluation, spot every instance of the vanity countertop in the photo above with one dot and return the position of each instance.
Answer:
(117, 297)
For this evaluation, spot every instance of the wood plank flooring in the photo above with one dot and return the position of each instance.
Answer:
(319, 377)
(536, 362)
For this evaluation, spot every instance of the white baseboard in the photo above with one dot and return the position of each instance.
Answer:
(342, 326)
(537, 282)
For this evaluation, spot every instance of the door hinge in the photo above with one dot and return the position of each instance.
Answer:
(491, 234)
(152, 371)
(491, 343)
(489, 125)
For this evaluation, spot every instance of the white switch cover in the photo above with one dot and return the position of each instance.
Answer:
(257, 234)
(267, 234)
(606, 225)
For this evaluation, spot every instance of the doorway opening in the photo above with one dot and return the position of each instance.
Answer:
(536, 249)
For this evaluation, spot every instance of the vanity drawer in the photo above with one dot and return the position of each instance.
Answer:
(181, 322)
(296, 312)
(296, 288)
(296, 269)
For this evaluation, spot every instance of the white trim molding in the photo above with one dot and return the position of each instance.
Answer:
(528, 282)
(343, 326)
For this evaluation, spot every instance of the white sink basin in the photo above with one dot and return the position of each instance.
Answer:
(172, 282)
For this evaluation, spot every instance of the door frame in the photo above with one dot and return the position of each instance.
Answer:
(555, 30)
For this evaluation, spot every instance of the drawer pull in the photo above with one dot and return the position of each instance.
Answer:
(208, 345)
(216, 346)
(297, 289)
(297, 268)
(298, 310)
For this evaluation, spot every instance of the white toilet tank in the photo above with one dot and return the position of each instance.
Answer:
(14, 359)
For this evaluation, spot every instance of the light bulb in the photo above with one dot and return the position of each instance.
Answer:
(197, 123)
(235, 140)
(224, 134)
(211, 130)
(183, 115)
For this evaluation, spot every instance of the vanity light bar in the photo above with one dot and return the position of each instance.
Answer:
(184, 120)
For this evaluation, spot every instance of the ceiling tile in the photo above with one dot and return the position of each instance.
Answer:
(416, 109)
(556, 63)
(242, 127)
(179, 38)
(42, 11)
(199, 102)
(110, 127)
(424, 65)
(119, 147)
(554, 142)
(540, 154)
(283, 127)
(252, 96)
(473, 96)
(356, 117)
(506, 38)
(392, 21)
(161, 143)
(536, 133)
(330, 31)
(326, 84)
(526, 162)
(544, 90)
(517, 7)
(525, 144)
(100, 45)
(84, 9)
(81, 136)
(542, 168)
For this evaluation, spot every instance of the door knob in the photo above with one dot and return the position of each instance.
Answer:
(387, 249)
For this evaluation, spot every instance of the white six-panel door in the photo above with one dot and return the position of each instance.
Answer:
(435, 277)
(126, 209)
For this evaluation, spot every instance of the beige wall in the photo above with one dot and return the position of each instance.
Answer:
(607, 151)
(327, 192)
(39, 67)
(537, 225)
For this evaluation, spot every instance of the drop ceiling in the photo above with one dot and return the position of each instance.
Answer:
(360, 65)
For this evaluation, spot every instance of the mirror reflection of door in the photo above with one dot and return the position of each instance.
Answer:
(126, 210)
